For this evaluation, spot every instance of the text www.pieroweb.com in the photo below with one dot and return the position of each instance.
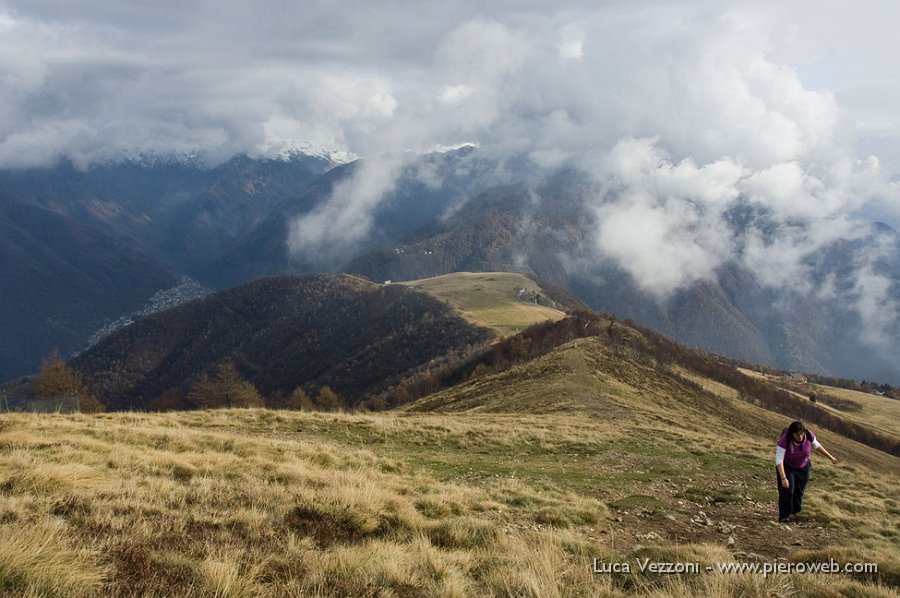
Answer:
(765, 569)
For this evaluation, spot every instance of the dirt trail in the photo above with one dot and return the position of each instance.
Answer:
(745, 526)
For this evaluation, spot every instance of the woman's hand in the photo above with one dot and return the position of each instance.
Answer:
(821, 450)
(785, 484)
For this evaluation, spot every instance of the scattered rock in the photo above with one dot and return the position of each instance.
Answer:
(729, 541)
(652, 536)
(701, 519)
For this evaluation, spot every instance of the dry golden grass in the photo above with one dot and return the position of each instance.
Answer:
(262, 503)
(709, 385)
(40, 558)
(489, 299)
(175, 505)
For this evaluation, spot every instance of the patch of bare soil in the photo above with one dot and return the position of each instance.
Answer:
(701, 511)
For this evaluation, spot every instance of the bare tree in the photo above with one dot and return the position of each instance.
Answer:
(328, 400)
(226, 389)
(58, 381)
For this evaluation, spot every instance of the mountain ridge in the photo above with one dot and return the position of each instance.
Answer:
(281, 333)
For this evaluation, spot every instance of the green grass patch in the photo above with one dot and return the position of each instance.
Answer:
(694, 494)
(727, 497)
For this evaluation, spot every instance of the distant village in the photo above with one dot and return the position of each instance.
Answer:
(186, 290)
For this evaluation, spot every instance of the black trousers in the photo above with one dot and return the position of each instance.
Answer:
(790, 500)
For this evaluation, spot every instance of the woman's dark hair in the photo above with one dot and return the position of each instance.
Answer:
(792, 429)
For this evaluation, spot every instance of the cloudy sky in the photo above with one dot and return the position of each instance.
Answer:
(770, 83)
(682, 107)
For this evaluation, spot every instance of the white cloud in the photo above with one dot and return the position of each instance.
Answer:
(663, 222)
(481, 52)
(456, 94)
(877, 307)
(331, 232)
(571, 43)
(699, 74)
(6, 22)
(787, 189)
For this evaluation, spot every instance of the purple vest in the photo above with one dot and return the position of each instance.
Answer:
(796, 454)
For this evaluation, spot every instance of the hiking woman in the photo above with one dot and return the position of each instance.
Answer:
(792, 466)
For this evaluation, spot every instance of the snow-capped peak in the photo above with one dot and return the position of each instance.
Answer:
(291, 149)
(150, 159)
(446, 149)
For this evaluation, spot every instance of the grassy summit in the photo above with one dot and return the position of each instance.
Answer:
(502, 301)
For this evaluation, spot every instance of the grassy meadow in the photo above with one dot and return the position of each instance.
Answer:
(455, 496)
(488, 299)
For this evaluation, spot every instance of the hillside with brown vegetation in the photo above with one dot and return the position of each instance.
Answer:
(280, 334)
